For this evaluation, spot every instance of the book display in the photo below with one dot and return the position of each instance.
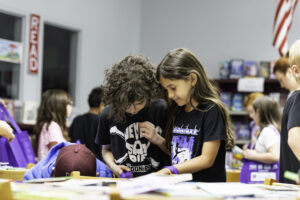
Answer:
(233, 99)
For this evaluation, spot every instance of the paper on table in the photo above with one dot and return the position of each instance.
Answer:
(230, 189)
(150, 182)
(186, 189)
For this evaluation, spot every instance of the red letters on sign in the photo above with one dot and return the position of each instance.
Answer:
(33, 60)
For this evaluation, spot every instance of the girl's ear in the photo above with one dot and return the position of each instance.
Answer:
(296, 72)
(193, 78)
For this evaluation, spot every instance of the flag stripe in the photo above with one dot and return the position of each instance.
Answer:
(282, 24)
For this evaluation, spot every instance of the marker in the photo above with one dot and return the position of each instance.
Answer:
(291, 176)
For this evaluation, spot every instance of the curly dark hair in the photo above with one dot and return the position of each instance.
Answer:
(130, 80)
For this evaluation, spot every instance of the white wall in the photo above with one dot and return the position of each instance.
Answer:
(214, 30)
(108, 31)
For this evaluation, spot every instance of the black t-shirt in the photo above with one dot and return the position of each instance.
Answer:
(290, 119)
(191, 130)
(84, 128)
(127, 145)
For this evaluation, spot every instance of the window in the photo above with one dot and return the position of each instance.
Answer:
(11, 27)
(59, 59)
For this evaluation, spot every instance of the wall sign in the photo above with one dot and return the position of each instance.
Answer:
(33, 59)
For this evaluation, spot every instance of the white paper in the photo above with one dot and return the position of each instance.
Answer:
(231, 189)
(150, 182)
(251, 84)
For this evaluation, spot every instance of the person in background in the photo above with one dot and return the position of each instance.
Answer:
(65, 158)
(198, 126)
(50, 127)
(131, 93)
(254, 128)
(284, 75)
(84, 127)
(290, 125)
(267, 115)
(6, 131)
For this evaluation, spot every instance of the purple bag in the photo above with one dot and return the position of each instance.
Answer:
(256, 172)
(19, 152)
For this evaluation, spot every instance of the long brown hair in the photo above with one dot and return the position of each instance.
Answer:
(179, 64)
(269, 112)
(53, 107)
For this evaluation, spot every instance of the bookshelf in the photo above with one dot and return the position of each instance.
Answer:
(230, 85)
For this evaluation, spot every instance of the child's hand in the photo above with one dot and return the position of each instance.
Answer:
(6, 131)
(118, 169)
(245, 146)
(249, 154)
(148, 131)
(164, 171)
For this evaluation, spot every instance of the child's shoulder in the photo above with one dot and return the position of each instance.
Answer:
(208, 107)
(54, 126)
(105, 112)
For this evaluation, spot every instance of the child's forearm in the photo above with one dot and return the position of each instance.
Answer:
(205, 160)
(267, 158)
(161, 143)
(293, 140)
(108, 158)
(194, 165)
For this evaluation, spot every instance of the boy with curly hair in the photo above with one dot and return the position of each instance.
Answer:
(133, 113)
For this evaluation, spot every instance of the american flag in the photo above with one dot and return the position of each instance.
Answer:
(282, 24)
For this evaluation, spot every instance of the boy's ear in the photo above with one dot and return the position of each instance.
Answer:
(193, 78)
(296, 72)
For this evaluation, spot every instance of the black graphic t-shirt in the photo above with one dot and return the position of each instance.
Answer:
(290, 119)
(191, 130)
(84, 128)
(127, 145)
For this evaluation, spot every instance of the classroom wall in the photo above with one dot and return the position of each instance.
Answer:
(108, 31)
(214, 30)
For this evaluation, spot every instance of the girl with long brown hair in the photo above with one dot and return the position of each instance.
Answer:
(51, 128)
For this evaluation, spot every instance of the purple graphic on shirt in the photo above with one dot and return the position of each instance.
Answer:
(182, 148)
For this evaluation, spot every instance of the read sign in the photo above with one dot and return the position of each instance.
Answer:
(33, 59)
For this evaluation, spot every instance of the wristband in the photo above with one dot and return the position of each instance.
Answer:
(172, 169)
(126, 175)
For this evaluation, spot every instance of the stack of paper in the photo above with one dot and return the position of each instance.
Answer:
(150, 182)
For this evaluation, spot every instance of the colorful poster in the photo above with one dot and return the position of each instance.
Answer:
(10, 51)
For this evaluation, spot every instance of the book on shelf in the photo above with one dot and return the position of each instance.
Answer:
(250, 69)
(242, 131)
(272, 75)
(264, 69)
(224, 70)
(237, 102)
(236, 68)
(226, 99)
